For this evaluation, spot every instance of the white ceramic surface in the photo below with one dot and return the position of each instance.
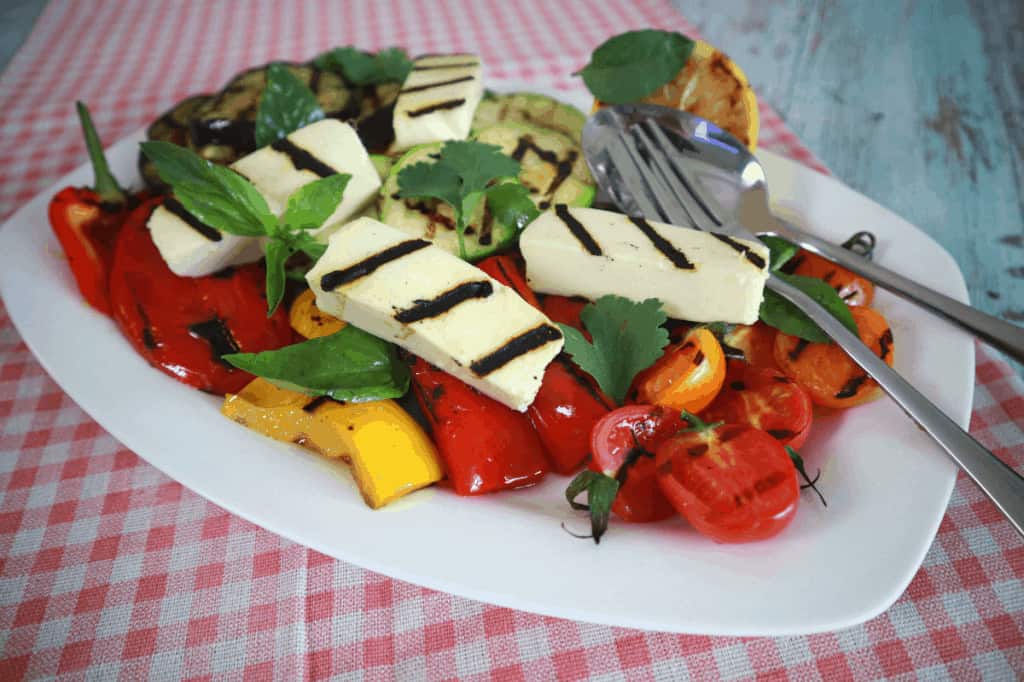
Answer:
(887, 484)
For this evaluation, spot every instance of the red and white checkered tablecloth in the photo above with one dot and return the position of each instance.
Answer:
(108, 569)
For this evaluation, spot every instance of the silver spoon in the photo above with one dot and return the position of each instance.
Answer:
(672, 166)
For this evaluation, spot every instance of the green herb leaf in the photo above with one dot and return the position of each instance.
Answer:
(781, 251)
(105, 184)
(216, 195)
(601, 491)
(348, 365)
(459, 177)
(798, 463)
(286, 105)
(308, 244)
(510, 204)
(628, 338)
(779, 313)
(312, 204)
(362, 68)
(632, 65)
(277, 253)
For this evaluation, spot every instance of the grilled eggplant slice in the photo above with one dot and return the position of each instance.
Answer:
(553, 167)
(528, 107)
(171, 127)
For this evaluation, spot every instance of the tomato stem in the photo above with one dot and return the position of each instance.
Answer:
(106, 184)
(697, 424)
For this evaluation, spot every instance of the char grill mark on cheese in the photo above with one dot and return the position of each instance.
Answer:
(438, 84)
(175, 207)
(515, 347)
(677, 257)
(301, 159)
(333, 280)
(752, 257)
(577, 229)
(435, 67)
(424, 309)
(440, 106)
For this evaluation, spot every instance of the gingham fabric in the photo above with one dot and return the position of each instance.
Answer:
(108, 569)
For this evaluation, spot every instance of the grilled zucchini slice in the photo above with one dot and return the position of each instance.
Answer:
(553, 168)
(527, 107)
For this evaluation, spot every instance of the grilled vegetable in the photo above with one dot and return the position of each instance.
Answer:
(171, 127)
(390, 454)
(310, 321)
(553, 167)
(526, 107)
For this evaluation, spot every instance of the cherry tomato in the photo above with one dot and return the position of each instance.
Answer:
(852, 288)
(732, 482)
(182, 325)
(688, 376)
(766, 399)
(757, 341)
(825, 370)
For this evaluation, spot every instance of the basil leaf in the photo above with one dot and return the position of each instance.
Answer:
(277, 253)
(312, 204)
(286, 105)
(779, 313)
(632, 65)
(510, 204)
(348, 365)
(308, 244)
(781, 251)
(214, 194)
(362, 68)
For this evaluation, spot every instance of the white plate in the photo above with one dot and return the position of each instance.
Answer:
(887, 484)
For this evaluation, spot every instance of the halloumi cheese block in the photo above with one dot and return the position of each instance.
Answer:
(698, 276)
(437, 100)
(329, 146)
(193, 249)
(316, 151)
(435, 305)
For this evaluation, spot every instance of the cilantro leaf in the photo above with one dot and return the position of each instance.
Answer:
(628, 338)
(347, 365)
(286, 105)
(510, 204)
(779, 313)
(362, 68)
(460, 177)
(781, 251)
(215, 195)
(313, 203)
(632, 65)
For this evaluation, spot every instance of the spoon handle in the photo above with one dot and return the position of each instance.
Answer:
(1002, 335)
(998, 481)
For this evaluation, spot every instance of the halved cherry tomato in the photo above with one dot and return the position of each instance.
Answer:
(851, 287)
(757, 341)
(825, 370)
(766, 399)
(688, 376)
(623, 445)
(732, 482)
(565, 310)
(182, 325)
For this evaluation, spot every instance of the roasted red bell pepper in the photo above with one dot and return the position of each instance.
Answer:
(568, 403)
(86, 221)
(183, 325)
(485, 446)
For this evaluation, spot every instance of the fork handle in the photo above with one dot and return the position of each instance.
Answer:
(998, 481)
(1007, 337)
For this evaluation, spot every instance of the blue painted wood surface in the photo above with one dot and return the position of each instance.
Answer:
(916, 104)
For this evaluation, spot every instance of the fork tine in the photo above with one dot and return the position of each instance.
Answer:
(656, 178)
(631, 172)
(685, 211)
(705, 201)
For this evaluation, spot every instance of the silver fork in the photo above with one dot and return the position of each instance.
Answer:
(640, 160)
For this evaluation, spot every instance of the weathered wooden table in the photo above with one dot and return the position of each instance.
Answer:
(918, 105)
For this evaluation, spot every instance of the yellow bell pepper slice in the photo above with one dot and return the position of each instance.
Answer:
(388, 451)
(307, 319)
